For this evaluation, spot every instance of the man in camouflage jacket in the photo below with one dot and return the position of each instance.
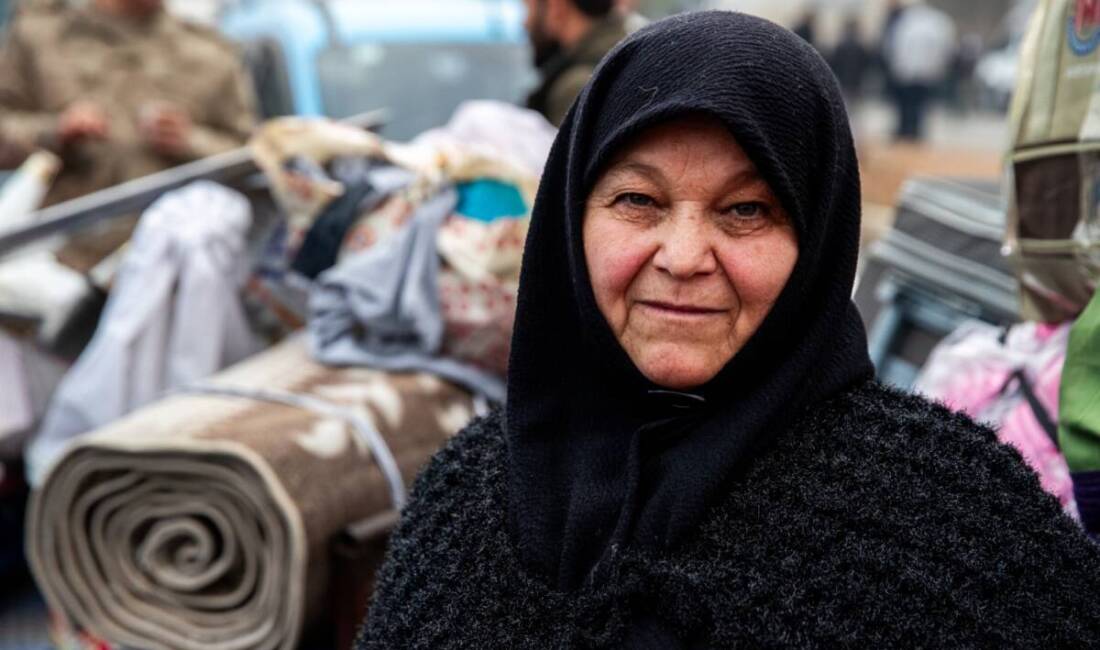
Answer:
(118, 89)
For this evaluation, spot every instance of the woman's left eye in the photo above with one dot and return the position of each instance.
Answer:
(635, 200)
(749, 210)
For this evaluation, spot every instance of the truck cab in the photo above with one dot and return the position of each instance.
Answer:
(419, 59)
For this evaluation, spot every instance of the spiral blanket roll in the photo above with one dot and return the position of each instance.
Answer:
(204, 521)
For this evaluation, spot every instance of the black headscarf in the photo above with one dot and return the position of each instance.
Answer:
(600, 458)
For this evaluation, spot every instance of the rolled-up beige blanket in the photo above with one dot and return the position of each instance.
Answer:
(203, 521)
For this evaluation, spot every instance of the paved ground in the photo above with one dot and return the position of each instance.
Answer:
(974, 131)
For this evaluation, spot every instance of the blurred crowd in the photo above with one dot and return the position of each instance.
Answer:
(122, 88)
(917, 57)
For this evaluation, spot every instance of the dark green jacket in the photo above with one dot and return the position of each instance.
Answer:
(563, 76)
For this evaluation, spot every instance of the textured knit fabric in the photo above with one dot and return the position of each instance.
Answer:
(876, 520)
(599, 456)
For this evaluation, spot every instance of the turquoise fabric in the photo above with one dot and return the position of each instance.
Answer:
(486, 199)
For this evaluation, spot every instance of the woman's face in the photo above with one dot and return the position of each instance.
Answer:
(687, 249)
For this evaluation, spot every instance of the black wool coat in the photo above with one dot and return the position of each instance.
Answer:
(877, 519)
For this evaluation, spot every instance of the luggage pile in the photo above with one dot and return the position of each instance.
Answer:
(361, 293)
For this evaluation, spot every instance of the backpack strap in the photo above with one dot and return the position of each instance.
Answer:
(1042, 416)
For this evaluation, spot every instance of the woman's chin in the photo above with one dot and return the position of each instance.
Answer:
(681, 369)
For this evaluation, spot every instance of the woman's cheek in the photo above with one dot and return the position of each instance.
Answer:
(760, 268)
(615, 254)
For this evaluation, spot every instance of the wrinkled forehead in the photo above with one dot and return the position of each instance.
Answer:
(658, 145)
(679, 150)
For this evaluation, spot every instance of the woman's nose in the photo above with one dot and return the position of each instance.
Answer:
(685, 249)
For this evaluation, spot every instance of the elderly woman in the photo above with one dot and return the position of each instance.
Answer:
(694, 454)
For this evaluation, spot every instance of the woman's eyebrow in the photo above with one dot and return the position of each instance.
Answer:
(745, 176)
(636, 167)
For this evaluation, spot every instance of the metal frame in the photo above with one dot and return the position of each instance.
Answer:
(908, 301)
(231, 167)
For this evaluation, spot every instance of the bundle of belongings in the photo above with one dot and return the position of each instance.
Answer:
(176, 510)
(37, 296)
(173, 317)
(1052, 236)
(416, 264)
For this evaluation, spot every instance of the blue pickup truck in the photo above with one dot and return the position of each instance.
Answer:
(417, 58)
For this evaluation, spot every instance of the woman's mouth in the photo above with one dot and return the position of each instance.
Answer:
(682, 310)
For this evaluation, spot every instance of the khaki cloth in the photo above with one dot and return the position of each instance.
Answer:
(54, 56)
(563, 76)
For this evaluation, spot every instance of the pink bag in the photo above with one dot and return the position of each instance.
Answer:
(1010, 382)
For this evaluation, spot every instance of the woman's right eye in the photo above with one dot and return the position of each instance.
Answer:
(635, 200)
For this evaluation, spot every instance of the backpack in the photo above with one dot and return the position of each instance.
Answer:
(1053, 225)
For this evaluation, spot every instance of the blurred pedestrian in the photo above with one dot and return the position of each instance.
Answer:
(894, 10)
(806, 27)
(568, 37)
(960, 91)
(850, 59)
(919, 55)
(632, 18)
(118, 89)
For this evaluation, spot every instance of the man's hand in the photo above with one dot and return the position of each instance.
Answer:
(167, 129)
(81, 121)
